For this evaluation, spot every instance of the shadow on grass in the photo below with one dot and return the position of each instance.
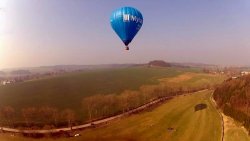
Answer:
(200, 106)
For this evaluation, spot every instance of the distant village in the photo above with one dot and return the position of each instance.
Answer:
(233, 73)
(6, 82)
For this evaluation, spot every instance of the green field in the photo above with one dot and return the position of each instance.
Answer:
(193, 80)
(68, 90)
(154, 125)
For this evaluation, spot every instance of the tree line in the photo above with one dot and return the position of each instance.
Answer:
(102, 106)
(233, 97)
(97, 107)
(45, 117)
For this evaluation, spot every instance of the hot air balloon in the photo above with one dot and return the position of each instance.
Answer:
(126, 22)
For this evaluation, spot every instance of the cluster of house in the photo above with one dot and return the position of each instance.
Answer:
(245, 73)
(7, 82)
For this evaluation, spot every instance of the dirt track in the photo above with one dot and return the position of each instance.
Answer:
(222, 119)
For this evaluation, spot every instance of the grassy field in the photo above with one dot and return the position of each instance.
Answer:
(178, 113)
(192, 80)
(67, 91)
(234, 131)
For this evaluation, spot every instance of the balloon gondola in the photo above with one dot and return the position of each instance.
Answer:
(126, 22)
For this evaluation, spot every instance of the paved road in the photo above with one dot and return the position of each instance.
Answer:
(98, 122)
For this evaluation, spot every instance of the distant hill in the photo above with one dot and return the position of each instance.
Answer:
(59, 68)
(83, 67)
(20, 72)
(196, 65)
(70, 68)
(233, 97)
(200, 65)
(159, 63)
(2, 73)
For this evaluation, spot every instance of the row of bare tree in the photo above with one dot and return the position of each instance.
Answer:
(45, 115)
(101, 106)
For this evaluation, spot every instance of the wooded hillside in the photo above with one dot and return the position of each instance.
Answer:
(233, 97)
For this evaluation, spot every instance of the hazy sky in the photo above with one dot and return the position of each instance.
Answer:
(49, 32)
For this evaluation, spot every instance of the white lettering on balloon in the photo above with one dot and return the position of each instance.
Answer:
(128, 18)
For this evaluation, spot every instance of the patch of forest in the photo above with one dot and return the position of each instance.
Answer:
(233, 97)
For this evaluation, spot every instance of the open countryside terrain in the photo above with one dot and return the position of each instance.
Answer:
(68, 91)
(64, 91)
(192, 80)
(176, 120)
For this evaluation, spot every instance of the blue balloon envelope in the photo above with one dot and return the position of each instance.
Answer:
(126, 22)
